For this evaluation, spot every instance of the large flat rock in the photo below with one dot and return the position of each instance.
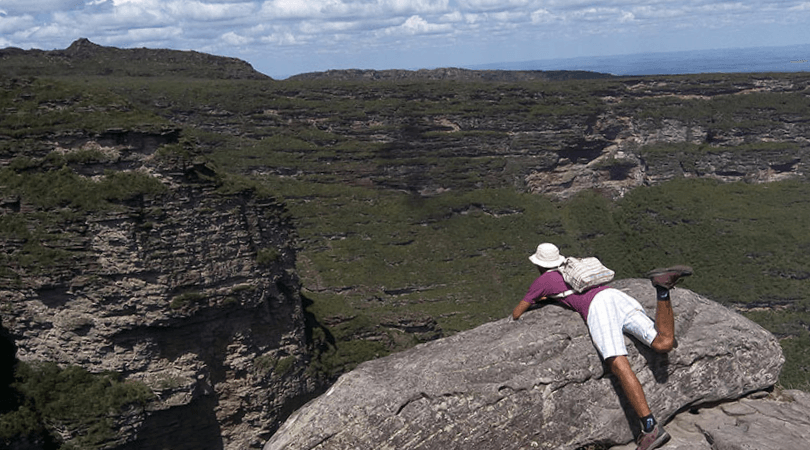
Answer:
(778, 421)
(534, 383)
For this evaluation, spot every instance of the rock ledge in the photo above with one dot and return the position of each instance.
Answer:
(526, 384)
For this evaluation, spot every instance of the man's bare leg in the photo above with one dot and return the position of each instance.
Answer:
(664, 280)
(620, 367)
(652, 435)
(665, 324)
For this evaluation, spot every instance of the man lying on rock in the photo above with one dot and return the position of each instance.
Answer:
(609, 312)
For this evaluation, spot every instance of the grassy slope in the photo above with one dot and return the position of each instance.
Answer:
(468, 266)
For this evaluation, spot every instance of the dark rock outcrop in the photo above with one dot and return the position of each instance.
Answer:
(534, 383)
(191, 291)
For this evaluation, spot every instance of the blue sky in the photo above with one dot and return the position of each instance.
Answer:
(286, 37)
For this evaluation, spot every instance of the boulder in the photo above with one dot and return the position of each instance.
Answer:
(778, 421)
(534, 383)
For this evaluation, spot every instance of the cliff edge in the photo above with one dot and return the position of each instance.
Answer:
(534, 383)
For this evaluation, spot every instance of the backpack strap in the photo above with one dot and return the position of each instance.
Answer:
(562, 294)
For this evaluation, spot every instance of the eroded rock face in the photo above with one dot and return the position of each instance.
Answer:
(190, 291)
(536, 383)
(619, 166)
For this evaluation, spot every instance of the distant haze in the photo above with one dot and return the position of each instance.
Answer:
(795, 58)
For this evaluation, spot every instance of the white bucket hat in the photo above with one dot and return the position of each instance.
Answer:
(547, 256)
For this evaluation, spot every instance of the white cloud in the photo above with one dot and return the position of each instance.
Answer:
(493, 5)
(542, 16)
(204, 11)
(414, 6)
(15, 24)
(330, 27)
(416, 25)
(310, 9)
(149, 3)
(16, 7)
(232, 38)
(284, 38)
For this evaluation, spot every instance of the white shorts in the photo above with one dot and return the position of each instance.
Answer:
(613, 313)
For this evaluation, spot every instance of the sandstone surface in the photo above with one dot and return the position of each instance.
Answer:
(778, 421)
(534, 383)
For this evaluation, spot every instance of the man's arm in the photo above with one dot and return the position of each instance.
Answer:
(521, 308)
(524, 306)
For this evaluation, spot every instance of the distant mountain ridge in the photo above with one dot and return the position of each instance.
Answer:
(84, 57)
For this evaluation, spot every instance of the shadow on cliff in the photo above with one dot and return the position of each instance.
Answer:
(317, 335)
(10, 400)
(8, 361)
(189, 427)
(319, 341)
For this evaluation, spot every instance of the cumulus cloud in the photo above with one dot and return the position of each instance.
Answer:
(542, 16)
(15, 24)
(206, 11)
(416, 25)
(16, 7)
(232, 38)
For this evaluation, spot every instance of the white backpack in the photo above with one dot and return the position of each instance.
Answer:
(582, 274)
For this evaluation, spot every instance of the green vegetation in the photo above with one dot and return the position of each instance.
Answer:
(34, 106)
(80, 404)
(57, 195)
(463, 254)
(267, 256)
(48, 186)
(186, 299)
(278, 367)
(407, 196)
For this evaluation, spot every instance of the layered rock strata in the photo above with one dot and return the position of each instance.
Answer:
(190, 291)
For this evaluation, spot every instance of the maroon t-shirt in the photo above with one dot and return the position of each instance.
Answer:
(551, 282)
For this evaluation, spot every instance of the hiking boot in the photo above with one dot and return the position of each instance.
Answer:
(654, 439)
(667, 278)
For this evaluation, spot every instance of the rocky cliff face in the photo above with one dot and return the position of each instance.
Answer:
(190, 290)
(712, 130)
(428, 136)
